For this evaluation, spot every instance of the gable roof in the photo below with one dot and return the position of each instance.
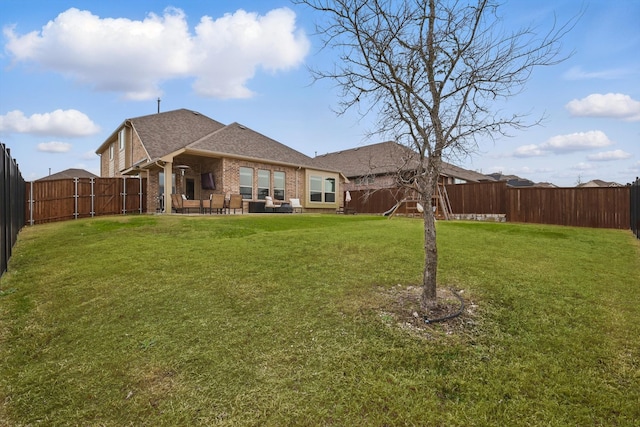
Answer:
(163, 133)
(187, 131)
(599, 183)
(69, 173)
(376, 159)
(240, 141)
(386, 158)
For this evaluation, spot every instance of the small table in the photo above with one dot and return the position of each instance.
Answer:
(284, 208)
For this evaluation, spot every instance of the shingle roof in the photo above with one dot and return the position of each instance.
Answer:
(468, 175)
(375, 159)
(385, 158)
(600, 183)
(69, 173)
(238, 140)
(164, 133)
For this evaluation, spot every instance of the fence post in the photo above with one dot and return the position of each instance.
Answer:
(31, 203)
(124, 195)
(75, 198)
(140, 192)
(93, 196)
(634, 207)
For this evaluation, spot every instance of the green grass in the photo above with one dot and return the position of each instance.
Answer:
(294, 320)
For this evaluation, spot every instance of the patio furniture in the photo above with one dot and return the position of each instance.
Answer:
(235, 202)
(217, 203)
(182, 205)
(295, 204)
(269, 204)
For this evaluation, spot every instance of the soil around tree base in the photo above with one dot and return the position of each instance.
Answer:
(402, 307)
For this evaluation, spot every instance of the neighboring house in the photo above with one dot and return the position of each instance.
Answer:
(376, 166)
(69, 173)
(185, 152)
(512, 180)
(599, 183)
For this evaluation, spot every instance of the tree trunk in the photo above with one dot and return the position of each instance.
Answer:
(428, 298)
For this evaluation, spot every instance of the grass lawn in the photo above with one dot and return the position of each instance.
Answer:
(307, 320)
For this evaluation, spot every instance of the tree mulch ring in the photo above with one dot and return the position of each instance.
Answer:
(401, 307)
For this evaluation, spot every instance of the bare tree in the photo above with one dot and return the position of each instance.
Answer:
(432, 71)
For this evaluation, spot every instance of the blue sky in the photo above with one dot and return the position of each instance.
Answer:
(72, 71)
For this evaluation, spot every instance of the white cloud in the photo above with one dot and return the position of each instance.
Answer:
(606, 156)
(54, 147)
(615, 105)
(560, 144)
(577, 73)
(531, 150)
(134, 57)
(67, 123)
(231, 48)
(578, 141)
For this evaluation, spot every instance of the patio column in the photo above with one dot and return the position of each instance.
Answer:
(168, 181)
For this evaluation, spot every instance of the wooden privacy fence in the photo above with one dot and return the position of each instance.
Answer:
(12, 197)
(378, 201)
(478, 198)
(634, 200)
(65, 199)
(580, 207)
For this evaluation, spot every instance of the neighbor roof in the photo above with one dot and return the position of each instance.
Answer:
(599, 183)
(385, 158)
(376, 159)
(69, 173)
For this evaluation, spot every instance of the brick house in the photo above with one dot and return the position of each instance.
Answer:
(185, 152)
(376, 166)
(372, 172)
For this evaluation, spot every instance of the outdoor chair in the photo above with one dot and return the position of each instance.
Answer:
(269, 204)
(176, 203)
(295, 204)
(216, 203)
(181, 204)
(235, 202)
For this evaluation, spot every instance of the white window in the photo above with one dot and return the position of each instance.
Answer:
(278, 185)
(315, 188)
(329, 190)
(111, 150)
(322, 188)
(121, 138)
(246, 183)
(264, 181)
